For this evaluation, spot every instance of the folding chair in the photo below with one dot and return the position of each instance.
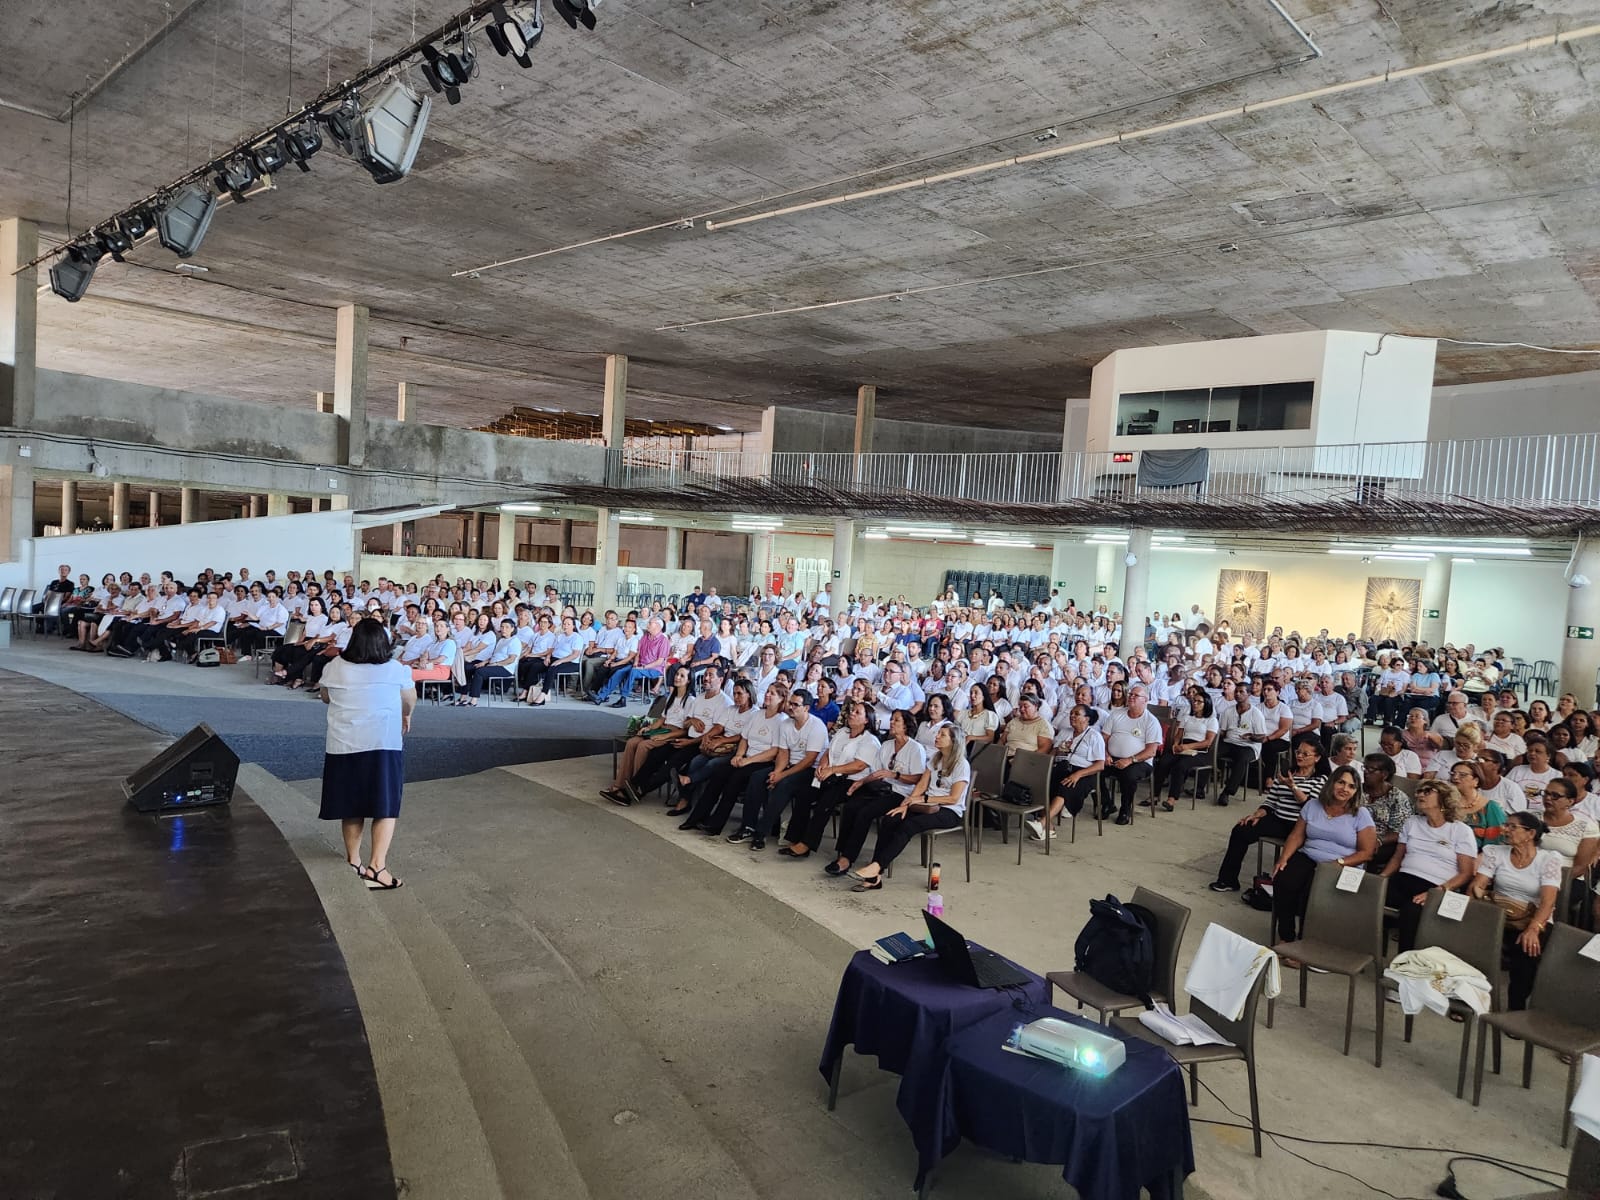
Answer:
(1029, 767)
(1172, 919)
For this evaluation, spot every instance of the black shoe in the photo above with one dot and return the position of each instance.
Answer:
(691, 823)
(741, 835)
(1222, 800)
(834, 869)
(631, 792)
(1124, 819)
(712, 834)
(758, 843)
(619, 703)
(1219, 886)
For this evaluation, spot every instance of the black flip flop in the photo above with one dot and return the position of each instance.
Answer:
(869, 885)
(374, 884)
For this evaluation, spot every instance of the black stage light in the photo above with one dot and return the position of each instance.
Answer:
(268, 157)
(71, 273)
(301, 143)
(516, 30)
(442, 71)
(235, 175)
(343, 123)
(137, 223)
(574, 11)
(184, 220)
(113, 241)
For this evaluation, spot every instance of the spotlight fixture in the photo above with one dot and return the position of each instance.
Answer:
(574, 11)
(515, 30)
(113, 240)
(343, 123)
(268, 157)
(70, 274)
(382, 136)
(300, 143)
(235, 175)
(184, 220)
(446, 71)
(138, 223)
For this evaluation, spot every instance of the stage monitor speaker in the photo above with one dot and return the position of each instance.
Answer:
(196, 771)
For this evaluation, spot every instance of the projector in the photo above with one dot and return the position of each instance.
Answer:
(1070, 1045)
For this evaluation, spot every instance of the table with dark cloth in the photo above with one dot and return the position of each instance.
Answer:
(1112, 1135)
(904, 1013)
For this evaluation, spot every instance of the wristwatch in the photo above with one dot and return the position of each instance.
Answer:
(1340, 861)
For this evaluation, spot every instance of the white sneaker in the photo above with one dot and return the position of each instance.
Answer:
(1035, 831)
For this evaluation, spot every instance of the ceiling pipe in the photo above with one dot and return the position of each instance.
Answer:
(1547, 42)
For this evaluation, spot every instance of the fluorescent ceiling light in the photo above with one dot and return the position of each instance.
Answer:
(755, 520)
(1187, 549)
(919, 529)
(1415, 547)
(1003, 542)
(1403, 557)
(876, 537)
(1168, 537)
(1512, 541)
(636, 516)
(1463, 560)
(520, 508)
(932, 536)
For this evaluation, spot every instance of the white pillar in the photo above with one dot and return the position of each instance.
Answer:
(19, 322)
(1135, 590)
(606, 539)
(614, 409)
(188, 505)
(505, 537)
(761, 561)
(119, 506)
(350, 381)
(69, 506)
(674, 560)
(278, 505)
(844, 556)
(152, 507)
(1105, 567)
(324, 402)
(405, 403)
(1580, 649)
(1060, 573)
(1435, 599)
(255, 507)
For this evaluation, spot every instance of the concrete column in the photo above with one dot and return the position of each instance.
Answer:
(69, 506)
(405, 398)
(1435, 599)
(19, 328)
(1580, 654)
(350, 381)
(506, 546)
(606, 540)
(1061, 551)
(119, 506)
(16, 510)
(564, 549)
(761, 561)
(866, 408)
(398, 529)
(844, 555)
(339, 501)
(474, 538)
(152, 506)
(256, 506)
(324, 402)
(1135, 590)
(614, 411)
(1104, 575)
(189, 510)
(674, 548)
(278, 505)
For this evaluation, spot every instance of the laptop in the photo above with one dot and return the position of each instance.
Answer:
(979, 968)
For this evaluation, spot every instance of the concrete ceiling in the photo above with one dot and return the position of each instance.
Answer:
(1454, 205)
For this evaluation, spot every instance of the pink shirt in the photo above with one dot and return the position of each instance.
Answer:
(653, 650)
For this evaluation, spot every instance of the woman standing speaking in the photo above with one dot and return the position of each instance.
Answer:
(370, 699)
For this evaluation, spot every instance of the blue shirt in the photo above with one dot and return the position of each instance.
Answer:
(567, 644)
(1328, 838)
(827, 713)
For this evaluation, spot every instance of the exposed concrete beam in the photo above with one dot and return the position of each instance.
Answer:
(350, 381)
(19, 322)
(866, 410)
(614, 413)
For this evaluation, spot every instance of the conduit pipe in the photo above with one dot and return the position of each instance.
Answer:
(1548, 42)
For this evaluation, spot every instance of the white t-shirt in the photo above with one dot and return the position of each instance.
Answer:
(1407, 763)
(1521, 883)
(1512, 745)
(810, 738)
(941, 785)
(1530, 783)
(1431, 853)
(1194, 729)
(910, 759)
(709, 711)
(845, 748)
(1127, 735)
(364, 705)
(763, 732)
(1564, 839)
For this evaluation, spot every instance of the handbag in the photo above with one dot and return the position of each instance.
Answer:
(1519, 913)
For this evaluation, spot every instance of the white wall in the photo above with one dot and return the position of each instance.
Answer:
(321, 541)
(1521, 606)
(1550, 404)
(422, 569)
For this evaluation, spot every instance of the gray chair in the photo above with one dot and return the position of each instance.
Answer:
(1171, 919)
(39, 621)
(1475, 939)
(1561, 1015)
(1342, 935)
(1030, 768)
(1242, 1033)
(22, 609)
(1206, 772)
(8, 603)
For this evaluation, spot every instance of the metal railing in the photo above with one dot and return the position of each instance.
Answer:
(1535, 470)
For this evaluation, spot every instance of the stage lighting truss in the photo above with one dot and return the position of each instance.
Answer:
(515, 29)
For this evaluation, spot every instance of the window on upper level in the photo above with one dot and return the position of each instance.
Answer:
(1246, 409)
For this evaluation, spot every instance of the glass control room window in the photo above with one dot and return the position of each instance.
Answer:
(1249, 408)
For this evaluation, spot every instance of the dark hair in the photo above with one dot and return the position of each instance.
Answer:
(802, 694)
(369, 643)
(1528, 821)
(1394, 731)
(1381, 763)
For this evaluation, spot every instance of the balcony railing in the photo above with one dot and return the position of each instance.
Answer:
(1531, 471)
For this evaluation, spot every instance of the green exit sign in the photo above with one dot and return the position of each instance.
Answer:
(1583, 633)
(1431, 613)
(836, 574)
(1061, 583)
(1100, 587)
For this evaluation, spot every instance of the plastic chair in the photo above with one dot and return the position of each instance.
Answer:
(8, 602)
(269, 643)
(1027, 767)
(1206, 771)
(1561, 1014)
(496, 685)
(1242, 1033)
(22, 609)
(1474, 939)
(39, 621)
(1171, 920)
(1342, 935)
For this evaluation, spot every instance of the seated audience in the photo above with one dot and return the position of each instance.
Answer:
(1332, 827)
(1524, 880)
(1436, 850)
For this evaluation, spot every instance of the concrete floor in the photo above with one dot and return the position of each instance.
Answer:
(570, 998)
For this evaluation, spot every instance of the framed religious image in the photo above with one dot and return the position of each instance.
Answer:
(1242, 602)
(1392, 610)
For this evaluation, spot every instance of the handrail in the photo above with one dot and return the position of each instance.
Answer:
(1537, 470)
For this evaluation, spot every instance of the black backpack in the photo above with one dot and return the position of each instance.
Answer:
(1116, 948)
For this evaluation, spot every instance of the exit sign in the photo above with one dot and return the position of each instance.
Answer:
(836, 574)
(1100, 587)
(1431, 613)
(1061, 583)
(1583, 633)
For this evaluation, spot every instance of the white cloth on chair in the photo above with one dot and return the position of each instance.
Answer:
(1586, 1101)
(1431, 977)
(1225, 968)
